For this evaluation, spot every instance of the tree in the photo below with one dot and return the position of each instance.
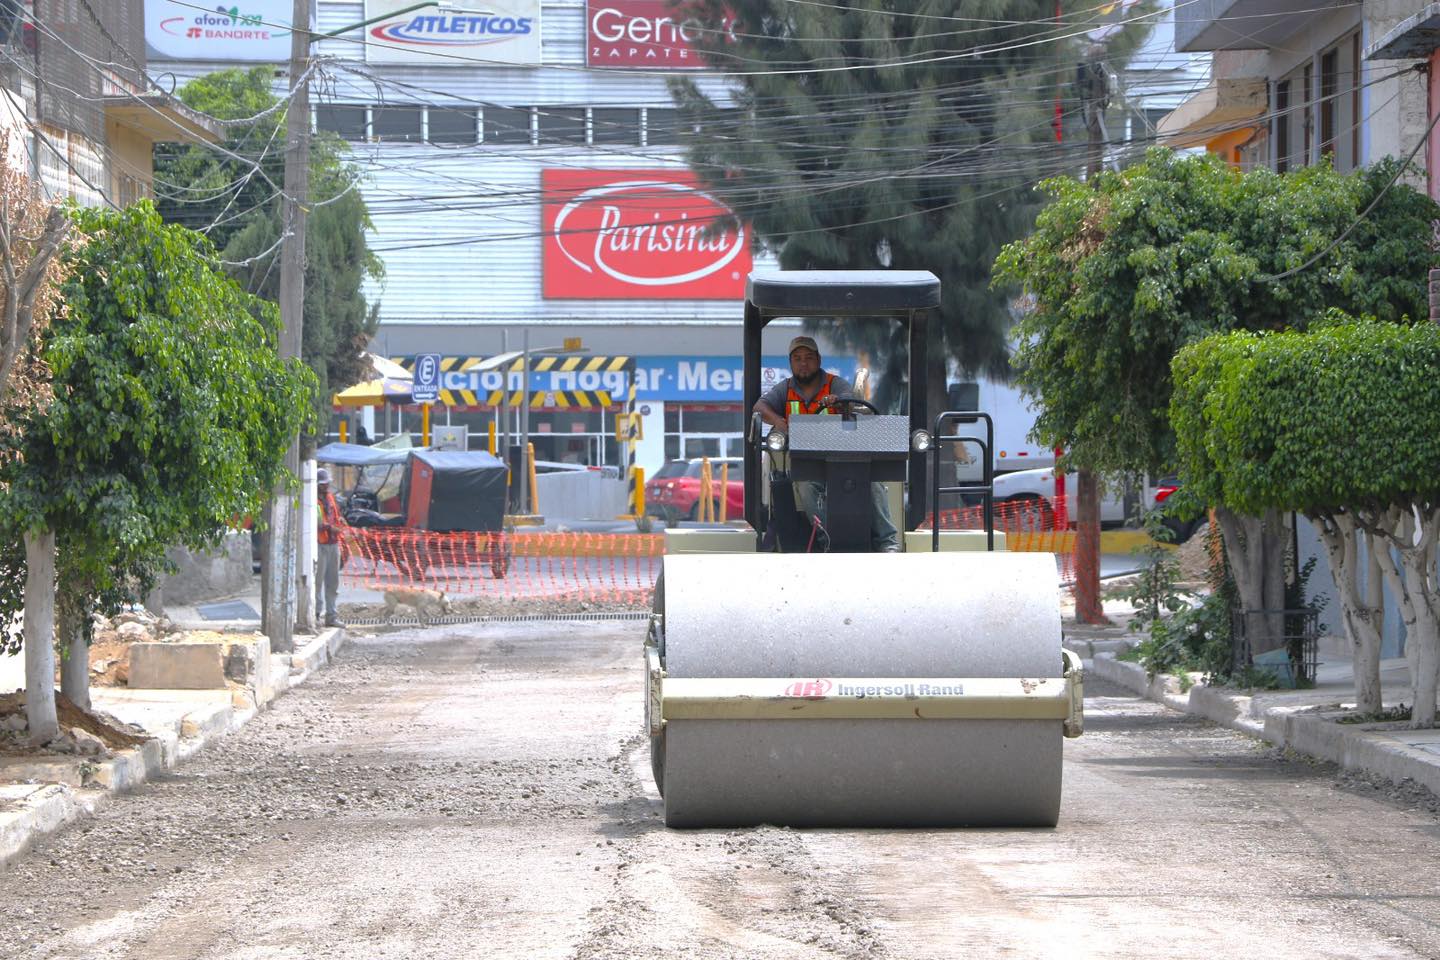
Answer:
(33, 231)
(1273, 422)
(838, 158)
(239, 210)
(171, 416)
(1124, 273)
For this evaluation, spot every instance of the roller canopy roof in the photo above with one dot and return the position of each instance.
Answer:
(840, 292)
(358, 455)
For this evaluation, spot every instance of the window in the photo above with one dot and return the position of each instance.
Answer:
(452, 125)
(662, 126)
(347, 121)
(561, 125)
(614, 125)
(395, 124)
(507, 125)
(1329, 89)
(1309, 87)
(1282, 126)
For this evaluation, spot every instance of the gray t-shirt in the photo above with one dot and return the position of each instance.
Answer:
(774, 398)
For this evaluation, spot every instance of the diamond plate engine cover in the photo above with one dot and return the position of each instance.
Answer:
(826, 433)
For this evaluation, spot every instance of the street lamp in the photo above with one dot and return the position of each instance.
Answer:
(503, 359)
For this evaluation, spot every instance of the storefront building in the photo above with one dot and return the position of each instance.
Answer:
(523, 174)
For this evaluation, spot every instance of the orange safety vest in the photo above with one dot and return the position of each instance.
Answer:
(329, 512)
(794, 403)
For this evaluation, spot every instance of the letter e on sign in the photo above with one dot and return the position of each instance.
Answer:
(426, 387)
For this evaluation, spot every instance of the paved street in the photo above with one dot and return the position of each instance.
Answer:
(483, 791)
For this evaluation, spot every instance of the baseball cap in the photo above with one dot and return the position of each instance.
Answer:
(322, 475)
(799, 342)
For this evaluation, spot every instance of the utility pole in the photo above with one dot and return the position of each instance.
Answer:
(1093, 86)
(278, 586)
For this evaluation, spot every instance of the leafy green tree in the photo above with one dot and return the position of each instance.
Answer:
(1341, 424)
(1125, 272)
(239, 210)
(837, 157)
(171, 416)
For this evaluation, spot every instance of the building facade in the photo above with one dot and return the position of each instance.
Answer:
(75, 98)
(1291, 84)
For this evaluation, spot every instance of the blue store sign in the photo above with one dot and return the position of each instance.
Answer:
(673, 378)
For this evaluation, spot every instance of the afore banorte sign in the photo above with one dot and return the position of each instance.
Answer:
(639, 235)
(642, 33)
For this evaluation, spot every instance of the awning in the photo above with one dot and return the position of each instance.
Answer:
(1223, 107)
(1413, 38)
(374, 393)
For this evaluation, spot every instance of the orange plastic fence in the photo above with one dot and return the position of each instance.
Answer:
(1030, 526)
(601, 566)
(596, 566)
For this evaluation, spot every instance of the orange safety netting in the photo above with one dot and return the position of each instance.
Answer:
(604, 566)
(594, 566)
(1029, 526)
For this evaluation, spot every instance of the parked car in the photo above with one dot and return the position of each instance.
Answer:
(1029, 496)
(674, 492)
(1180, 530)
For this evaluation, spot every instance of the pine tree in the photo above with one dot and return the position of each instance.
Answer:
(876, 134)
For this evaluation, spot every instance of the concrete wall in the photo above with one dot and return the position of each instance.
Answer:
(202, 577)
(580, 495)
(1397, 107)
(1322, 589)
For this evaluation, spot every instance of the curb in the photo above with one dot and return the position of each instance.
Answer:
(31, 810)
(1376, 749)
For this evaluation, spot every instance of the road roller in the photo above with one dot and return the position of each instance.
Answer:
(807, 681)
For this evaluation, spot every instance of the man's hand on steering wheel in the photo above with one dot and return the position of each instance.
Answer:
(831, 400)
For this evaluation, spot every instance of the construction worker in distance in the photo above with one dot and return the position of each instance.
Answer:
(809, 389)
(327, 556)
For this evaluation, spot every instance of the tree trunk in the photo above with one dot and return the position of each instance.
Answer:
(1274, 541)
(1416, 596)
(75, 665)
(1088, 608)
(1242, 538)
(40, 636)
(1361, 616)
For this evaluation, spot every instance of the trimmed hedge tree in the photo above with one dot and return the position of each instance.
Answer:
(1341, 424)
(170, 421)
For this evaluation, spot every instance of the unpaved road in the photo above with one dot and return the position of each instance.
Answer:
(484, 792)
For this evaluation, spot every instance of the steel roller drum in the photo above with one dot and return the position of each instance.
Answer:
(958, 615)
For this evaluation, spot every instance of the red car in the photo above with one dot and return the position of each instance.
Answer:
(674, 492)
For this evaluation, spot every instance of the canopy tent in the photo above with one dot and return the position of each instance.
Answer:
(358, 455)
(374, 393)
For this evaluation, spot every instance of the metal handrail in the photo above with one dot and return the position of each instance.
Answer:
(986, 488)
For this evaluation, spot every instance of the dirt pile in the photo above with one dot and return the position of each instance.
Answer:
(82, 733)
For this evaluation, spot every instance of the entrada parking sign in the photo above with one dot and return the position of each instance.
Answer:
(426, 388)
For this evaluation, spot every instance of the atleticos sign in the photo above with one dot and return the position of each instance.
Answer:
(475, 33)
(234, 30)
(642, 33)
(639, 235)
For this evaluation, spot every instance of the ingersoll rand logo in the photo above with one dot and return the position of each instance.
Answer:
(639, 234)
(809, 688)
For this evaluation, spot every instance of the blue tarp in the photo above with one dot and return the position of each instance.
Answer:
(358, 455)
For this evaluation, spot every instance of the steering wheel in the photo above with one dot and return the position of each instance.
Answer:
(857, 402)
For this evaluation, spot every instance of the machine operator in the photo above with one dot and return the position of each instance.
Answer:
(809, 389)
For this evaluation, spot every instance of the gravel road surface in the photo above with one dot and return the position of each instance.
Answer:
(483, 791)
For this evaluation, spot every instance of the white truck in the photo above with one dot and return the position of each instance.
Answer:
(1013, 419)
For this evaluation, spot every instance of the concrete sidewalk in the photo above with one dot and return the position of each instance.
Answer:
(1305, 721)
(39, 794)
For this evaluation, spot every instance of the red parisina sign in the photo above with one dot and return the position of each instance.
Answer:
(642, 33)
(639, 235)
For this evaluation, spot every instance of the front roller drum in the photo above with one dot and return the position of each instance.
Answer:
(979, 744)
